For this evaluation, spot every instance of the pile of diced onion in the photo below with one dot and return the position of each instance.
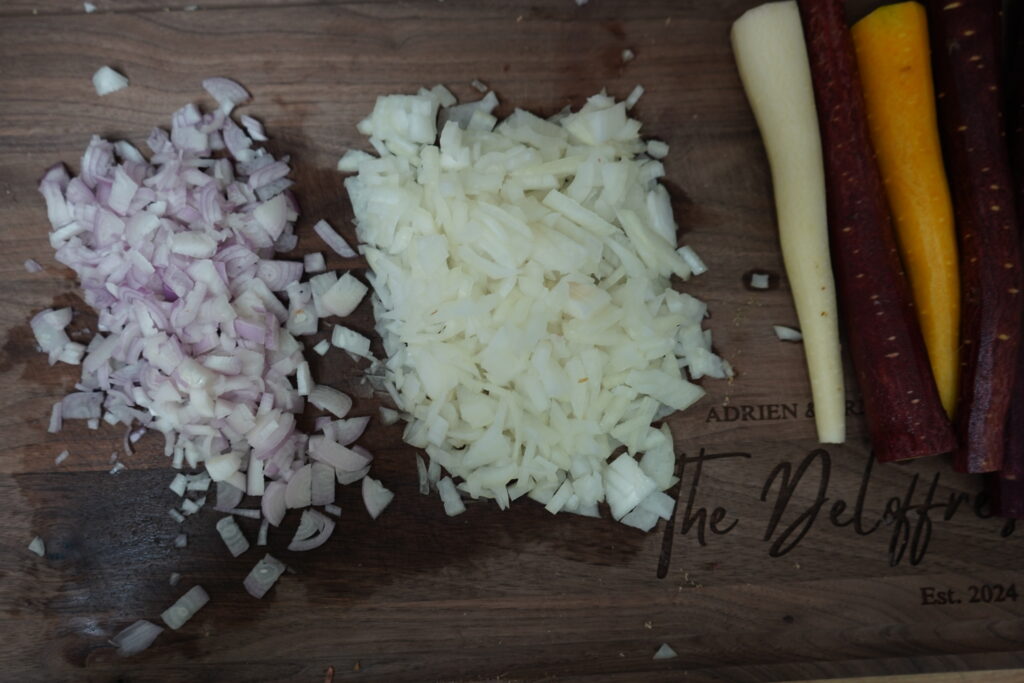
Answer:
(176, 253)
(521, 276)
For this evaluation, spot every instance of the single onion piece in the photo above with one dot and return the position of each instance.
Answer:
(322, 484)
(314, 530)
(331, 400)
(261, 536)
(228, 496)
(665, 652)
(348, 431)
(333, 240)
(787, 333)
(61, 457)
(136, 638)
(333, 510)
(314, 262)
(227, 92)
(345, 478)
(179, 484)
(232, 536)
(375, 497)
(181, 540)
(263, 576)
(32, 266)
(56, 418)
(174, 578)
(106, 81)
(759, 280)
(344, 296)
(421, 471)
(185, 607)
(388, 416)
(299, 493)
(254, 128)
(453, 504)
(273, 502)
(37, 546)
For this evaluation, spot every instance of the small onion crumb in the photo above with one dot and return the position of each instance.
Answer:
(106, 81)
(787, 333)
(665, 652)
(759, 280)
(37, 546)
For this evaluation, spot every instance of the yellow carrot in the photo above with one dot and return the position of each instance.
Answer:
(895, 70)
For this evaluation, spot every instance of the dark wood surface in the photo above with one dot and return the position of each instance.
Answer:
(512, 595)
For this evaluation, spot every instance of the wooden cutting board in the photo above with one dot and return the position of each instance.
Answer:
(784, 561)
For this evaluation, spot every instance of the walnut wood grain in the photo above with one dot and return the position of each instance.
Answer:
(417, 596)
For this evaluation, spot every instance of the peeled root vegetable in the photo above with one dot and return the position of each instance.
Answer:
(768, 43)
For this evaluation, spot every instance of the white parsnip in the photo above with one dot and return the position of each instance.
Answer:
(768, 43)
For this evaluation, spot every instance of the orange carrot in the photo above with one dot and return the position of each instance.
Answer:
(895, 70)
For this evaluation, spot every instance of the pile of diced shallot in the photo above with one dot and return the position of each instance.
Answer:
(176, 254)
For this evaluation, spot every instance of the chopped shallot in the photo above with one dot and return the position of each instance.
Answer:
(185, 607)
(263, 576)
(314, 529)
(136, 638)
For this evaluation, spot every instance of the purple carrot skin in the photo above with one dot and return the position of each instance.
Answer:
(965, 56)
(1008, 487)
(905, 416)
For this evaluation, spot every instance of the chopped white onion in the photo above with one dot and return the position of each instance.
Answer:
(322, 347)
(421, 471)
(335, 241)
(665, 652)
(453, 504)
(522, 289)
(388, 416)
(261, 536)
(136, 637)
(787, 333)
(692, 259)
(185, 607)
(179, 484)
(37, 546)
(375, 497)
(174, 578)
(181, 540)
(32, 266)
(333, 510)
(106, 81)
(344, 296)
(88, 7)
(314, 263)
(61, 457)
(759, 280)
(232, 536)
(263, 576)
(176, 516)
(351, 341)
